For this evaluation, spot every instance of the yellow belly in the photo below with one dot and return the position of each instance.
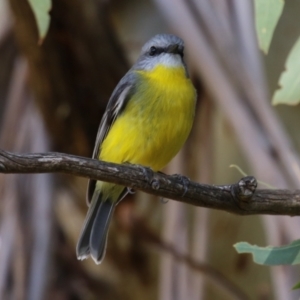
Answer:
(156, 121)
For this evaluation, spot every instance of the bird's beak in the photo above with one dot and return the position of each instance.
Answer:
(175, 49)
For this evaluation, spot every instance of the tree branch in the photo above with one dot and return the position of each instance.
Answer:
(240, 198)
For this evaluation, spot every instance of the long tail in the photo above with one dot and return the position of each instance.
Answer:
(92, 240)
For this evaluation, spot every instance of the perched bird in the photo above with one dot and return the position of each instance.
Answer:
(147, 120)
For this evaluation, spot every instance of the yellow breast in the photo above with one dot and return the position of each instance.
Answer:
(156, 121)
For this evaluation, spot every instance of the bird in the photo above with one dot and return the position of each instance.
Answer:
(146, 122)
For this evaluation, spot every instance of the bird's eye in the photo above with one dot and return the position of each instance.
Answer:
(153, 51)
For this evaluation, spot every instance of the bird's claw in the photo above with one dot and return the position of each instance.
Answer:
(147, 172)
(185, 181)
(130, 190)
(163, 200)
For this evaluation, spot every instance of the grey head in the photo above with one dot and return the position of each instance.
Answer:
(166, 49)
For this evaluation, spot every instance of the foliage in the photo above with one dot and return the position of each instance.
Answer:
(267, 14)
(41, 9)
(272, 256)
(289, 92)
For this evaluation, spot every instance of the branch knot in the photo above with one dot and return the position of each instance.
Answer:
(244, 189)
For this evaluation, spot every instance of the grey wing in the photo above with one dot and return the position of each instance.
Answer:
(115, 106)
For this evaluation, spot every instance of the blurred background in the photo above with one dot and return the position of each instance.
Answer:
(52, 98)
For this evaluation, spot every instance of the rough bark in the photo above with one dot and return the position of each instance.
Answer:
(239, 198)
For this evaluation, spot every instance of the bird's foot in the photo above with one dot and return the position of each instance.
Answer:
(163, 200)
(184, 181)
(130, 190)
(147, 172)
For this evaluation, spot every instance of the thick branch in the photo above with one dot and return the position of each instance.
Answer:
(240, 198)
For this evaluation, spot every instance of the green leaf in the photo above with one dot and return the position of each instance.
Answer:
(289, 80)
(41, 10)
(296, 286)
(272, 256)
(267, 13)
